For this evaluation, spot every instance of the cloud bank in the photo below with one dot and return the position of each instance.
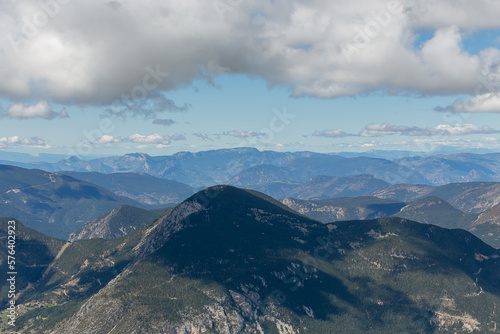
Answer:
(95, 52)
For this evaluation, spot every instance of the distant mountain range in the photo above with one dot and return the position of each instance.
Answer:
(248, 166)
(232, 261)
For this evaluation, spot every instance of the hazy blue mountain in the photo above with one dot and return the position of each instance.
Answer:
(452, 168)
(337, 166)
(264, 174)
(220, 166)
(233, 261)
(52, 203)
(140, 187)
(323, 187)
(404, 192)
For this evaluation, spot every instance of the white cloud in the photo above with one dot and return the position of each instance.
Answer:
(378, 130)
(18, 141)
(107, 140)
(485, 103)
(334, 133)
(41, 109)
(130, 46)
(155, 139)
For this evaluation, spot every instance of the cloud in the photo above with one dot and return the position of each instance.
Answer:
(148, 107)
(155, 139)
(202, 136)
(41, 109)
(107, 140)
(485, 103)
(164, 122)
(244, 134)
(18, 141)
(378, 130)
(335, 133)
(315, 48)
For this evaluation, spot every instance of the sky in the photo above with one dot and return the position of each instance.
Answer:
(89, 77)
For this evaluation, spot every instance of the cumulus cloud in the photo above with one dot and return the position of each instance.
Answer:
(137, 48)
(244, 134)
(485, 103)
(334, 133)
(41, 109)
(107, 140)
(164, 122)
(18, 141)
(378, 130)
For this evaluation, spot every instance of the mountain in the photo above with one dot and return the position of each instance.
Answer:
(315, 188)
(321, 187)
(346, 208)
(263, 174)
(404, 192)
(228, 260)
(33, 254)
(436, 211)
(487, 226)
(472, 197)
(51, 203)
(454, 168)
(196, 169)
(386, 170)
(219, 166)
(119, 222)
(140, 187)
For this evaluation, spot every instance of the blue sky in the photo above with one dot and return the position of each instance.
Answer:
(240, 78)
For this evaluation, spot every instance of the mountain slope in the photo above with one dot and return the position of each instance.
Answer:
(51, 203)
(140, 187)
(404, 192)
(435, 211)
(119, 222)
(487, 226)
(345, 208)
(229, 261)
(472, 197)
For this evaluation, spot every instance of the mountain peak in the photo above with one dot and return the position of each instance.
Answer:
(225, 208)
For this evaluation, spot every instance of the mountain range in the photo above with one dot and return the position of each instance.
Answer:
(228, 260)
(245, 166)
